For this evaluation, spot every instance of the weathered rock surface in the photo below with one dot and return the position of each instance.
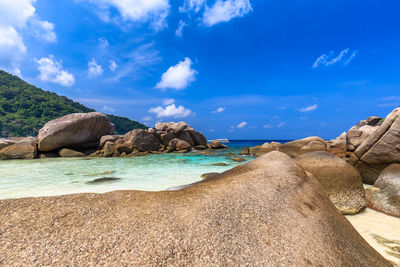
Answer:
(209, 175)
(179, 145)
(385, 195)
(217, 145)
(74, 129)
(380, 149)
(268, 212)
(142, 140)
(6, 142)
(302, 146)
(23, 149)
(198, 138)
(69, 153)
(341, 180)
(362, 130)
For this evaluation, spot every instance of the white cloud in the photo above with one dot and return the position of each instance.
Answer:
(113, 66)
(179, 30)
(94, 69)
(329, 59)
(147, 118)
(268, 126)
(223, 11)
(168, 101)
(51, 70)
(108, 109)
(171, 111)
(178, 77)
(192, 5)
(16, 16)
(152, 11)
(242, 124)
(43, 30)
(309, 108)
(219, 110)
(280, 124)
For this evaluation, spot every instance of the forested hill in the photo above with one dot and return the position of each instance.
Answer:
(24, 108)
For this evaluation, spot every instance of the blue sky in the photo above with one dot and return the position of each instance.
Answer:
(239, 69)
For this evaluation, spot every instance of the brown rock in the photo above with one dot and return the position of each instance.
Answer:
(380, 149)
(209, 175)
(74, 129)
(298, 147)
(245, 151)
(108, 149)
(217, 145)
(341, 180)
(124, 146)
(338, 146)
(166, 138)
(69, 153)
(238, 159)
(185, 136)
(180, 145)
(385, 195)
(198, 138)
(23, 149)
(6, 142)
(200, 147)
(142, 140)
(265, 213)
(110, 138)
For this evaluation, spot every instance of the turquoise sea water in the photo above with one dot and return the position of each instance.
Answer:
(58, 176)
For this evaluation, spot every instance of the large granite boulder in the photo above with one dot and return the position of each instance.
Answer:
(268, 212)
(172, 127)
(216, 145)
(179, 145)
(185, 136)
(73, 130)
(362, 130)
(380, 149)
(299, 147)
(338, 146)
(23, 149)
(341, 180)
(69, 153)
(142, 140)
(385, 195)
(198, 138)
(6, 142)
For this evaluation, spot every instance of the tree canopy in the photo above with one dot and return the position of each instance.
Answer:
(24, 108)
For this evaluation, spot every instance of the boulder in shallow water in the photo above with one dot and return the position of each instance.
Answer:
(217, 145)
(69, 153)
(104, 180)
(342, 181)
(23, 149)
(209, 175)
(268, 212)
(198, 138)
(73, 130)
(179, 145)
(6, 142)
(385, 195)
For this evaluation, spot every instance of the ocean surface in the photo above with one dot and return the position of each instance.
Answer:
(59, 176)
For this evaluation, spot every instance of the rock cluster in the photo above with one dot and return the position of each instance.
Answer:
(91, 134)
(268, 212)
(370, 146)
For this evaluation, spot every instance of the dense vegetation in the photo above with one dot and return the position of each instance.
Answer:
(24, 108)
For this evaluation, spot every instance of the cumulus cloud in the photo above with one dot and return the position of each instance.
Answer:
(108, 109)
(330, 58)
(242, 124)
(171, 111)
(181, 25)
(192, 5)
(309, 108)
(219, 110)
(168, 101)
(51, 70)
(94, 69)
(223, 11)
(178, 77)
(112, 66)
(143, 11)
(16, 16)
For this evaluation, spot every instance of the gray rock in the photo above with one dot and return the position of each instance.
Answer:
(74, 129)
(185, 136)
(198, 138)
(385, 195)
(180, 145)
